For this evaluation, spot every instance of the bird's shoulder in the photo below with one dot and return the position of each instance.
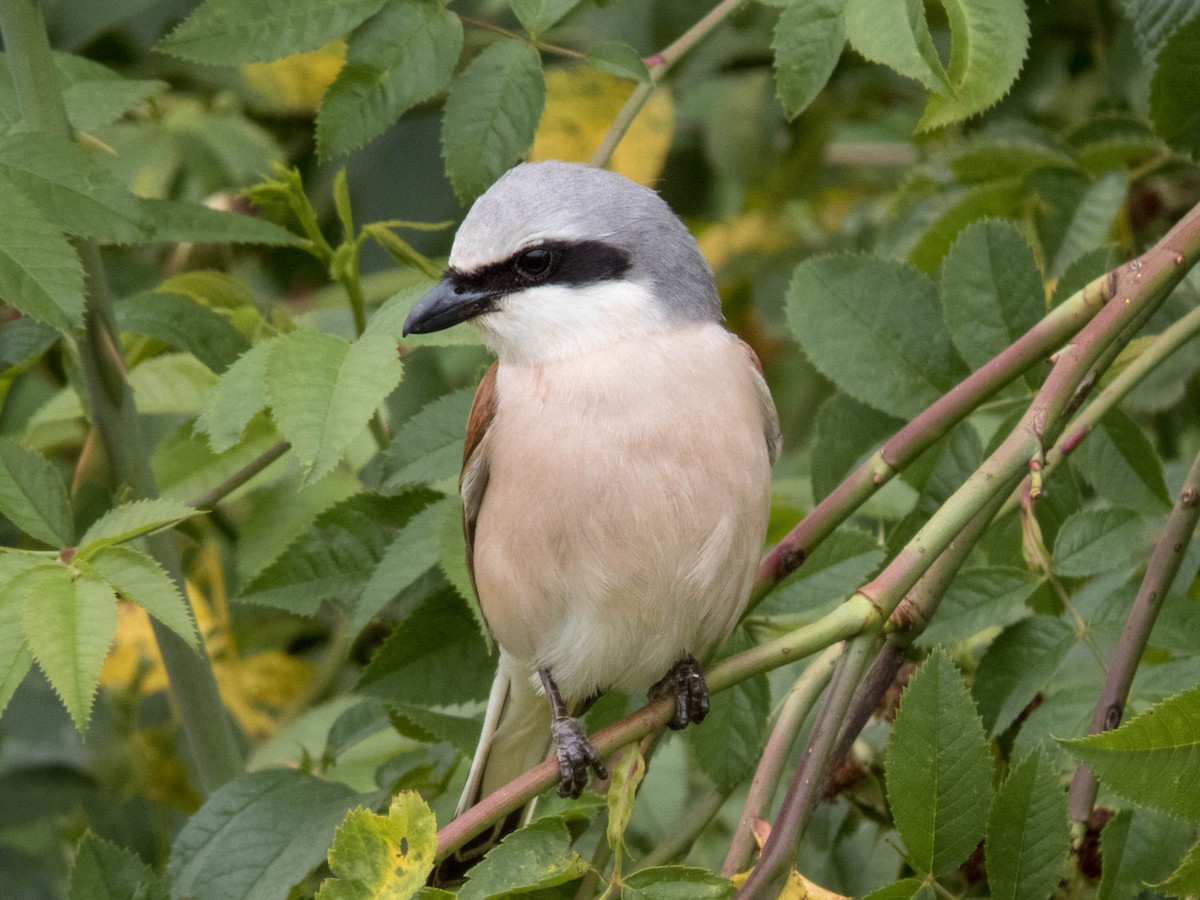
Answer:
(771, 429)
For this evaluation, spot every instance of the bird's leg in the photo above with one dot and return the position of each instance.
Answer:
(575, 752)
(685, 683)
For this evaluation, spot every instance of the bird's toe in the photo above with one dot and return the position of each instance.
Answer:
(576, 755)
(685, 683)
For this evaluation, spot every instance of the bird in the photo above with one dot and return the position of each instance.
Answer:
(617, 461)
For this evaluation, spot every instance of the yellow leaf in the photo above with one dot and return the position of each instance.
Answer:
(378, 857)
(133, 660)
(758, 231)
(296, 83)
(581, 104)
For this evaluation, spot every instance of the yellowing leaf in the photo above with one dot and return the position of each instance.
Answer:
(296, 83)
(761, 232)
(581, 105)
(382, 857)
(134, 655)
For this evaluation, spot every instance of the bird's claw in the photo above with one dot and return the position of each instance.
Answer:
(575, 756)
(685, 683)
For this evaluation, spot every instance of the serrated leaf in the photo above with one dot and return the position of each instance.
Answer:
(141, 580)
(991, 290)
(184, 324)
(1028, 835)
(1092, 220)
(807, 43)
(491, 115)
(132, 520)
(533, 858)
(70, 624)
(618, 58)
(677, 883)
(172, 221)
(33, 496)
(22, 343)
(939, 769)
(985, 158)
(414, 551)
(538, 15)
(937, 221)
(396, 59)
(40, 274)
(977, 599)
(428, 447)
(376, 857)
(873, 327)
(841, 562)
(1095, 541)
(389, 320)
(1121, 465)
(1174, 93)
(323, 390)
(234, 845)
(1153, 759)
(988, 42)
(1019, 664)
(453, 563)
(231, 32)
(15, 655)
(844, 431)
(905, 889)
(896, 35)
(237, 398)
(1185, 880)
(431, 726)
(1139, 847)
(103, 871)
(435, 657)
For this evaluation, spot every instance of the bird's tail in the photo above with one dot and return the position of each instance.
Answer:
(515, 737)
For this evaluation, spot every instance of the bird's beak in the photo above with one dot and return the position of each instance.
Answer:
(447, 305)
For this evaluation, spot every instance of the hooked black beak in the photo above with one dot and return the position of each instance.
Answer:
(446, 305)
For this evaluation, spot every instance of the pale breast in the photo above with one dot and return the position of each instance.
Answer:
(625, 509)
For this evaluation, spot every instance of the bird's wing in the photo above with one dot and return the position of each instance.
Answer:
(473, 480)
(765, 404)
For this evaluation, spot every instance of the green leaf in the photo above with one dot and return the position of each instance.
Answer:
(396, 59)
(453, 563)
(980, 598)
(172, 221)
(1122, 466)
(71, 187)
(104, 871)
(15, 656)
(873, 327)
(627, 775)
(896, 35)
(1139, 847)
(841, 562)
(844, 432)
(991, 290)
(132, 520)
(141, 580)
(984, 158)
(236, 845)
(617, 58)
(538, 15)
(1153, 759)
(905, 889)
(376, 857)
(939, 769)
(323, 391)
(1185, 880)
(1019, 664)
(40, 274)
(431, 727)
(435, 657)
(988, 42)
(491, 114)
(428, 447)
(937, 221)
(1028, 836)
(1154, 21)
(389, 319)
(1094, 541)
(33, 496)
(675, 883)
(533, 858)
(238, 396)
(1175, 91)
(70, 624)
(808, 43)
(22, 343)
(184, 324)
(1092, 221)
(231, 32)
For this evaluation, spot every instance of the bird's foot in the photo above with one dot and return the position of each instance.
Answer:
(685, 682)
(575, 756)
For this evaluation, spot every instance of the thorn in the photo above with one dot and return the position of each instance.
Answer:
(1179, 260)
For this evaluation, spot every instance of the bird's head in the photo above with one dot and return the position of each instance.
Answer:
(560, 258)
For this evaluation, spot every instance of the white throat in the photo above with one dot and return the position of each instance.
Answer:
(555, 321)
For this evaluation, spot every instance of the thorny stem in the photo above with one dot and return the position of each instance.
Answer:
(1160, 572)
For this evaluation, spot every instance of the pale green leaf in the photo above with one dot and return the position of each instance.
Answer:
(237, 844)
(808, 43)
(171, 384)
(1185, 880)
(231, 32)
(538, 15)
(1019, 664)
(428, 447)
(389, 319)
(1175, 90)
(1153, 759)
(131, 520)
(491, 114)
(237, 397)
(873, 327)
(396, 59)
(184, 324)
(627, 773)
(1028, 836)
(1092, 220)
(988, 42)
(33, 496)
(896, 35)
(69, 624)
(376, 857)
(939, 769)
(1097, 540)
(535, 857)
(141, 580)
(1121, 465)
(323, 390)
(15, 655)
(617, 58)
(210, 288)
(103, 871)
(40, 274)
(172, 221)
(676, 883)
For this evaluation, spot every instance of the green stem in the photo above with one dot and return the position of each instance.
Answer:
(202, 715)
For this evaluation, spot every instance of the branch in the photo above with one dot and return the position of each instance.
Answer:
(211, 497)
(1160, 572)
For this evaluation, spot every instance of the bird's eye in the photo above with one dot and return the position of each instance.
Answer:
(535, 262)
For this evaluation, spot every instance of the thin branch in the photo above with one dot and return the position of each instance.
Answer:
(211, 497)
(1160, 572)
(496, 29)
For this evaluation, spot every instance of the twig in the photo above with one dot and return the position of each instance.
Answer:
(1160, 572)
(541, 45)
(240, 477)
